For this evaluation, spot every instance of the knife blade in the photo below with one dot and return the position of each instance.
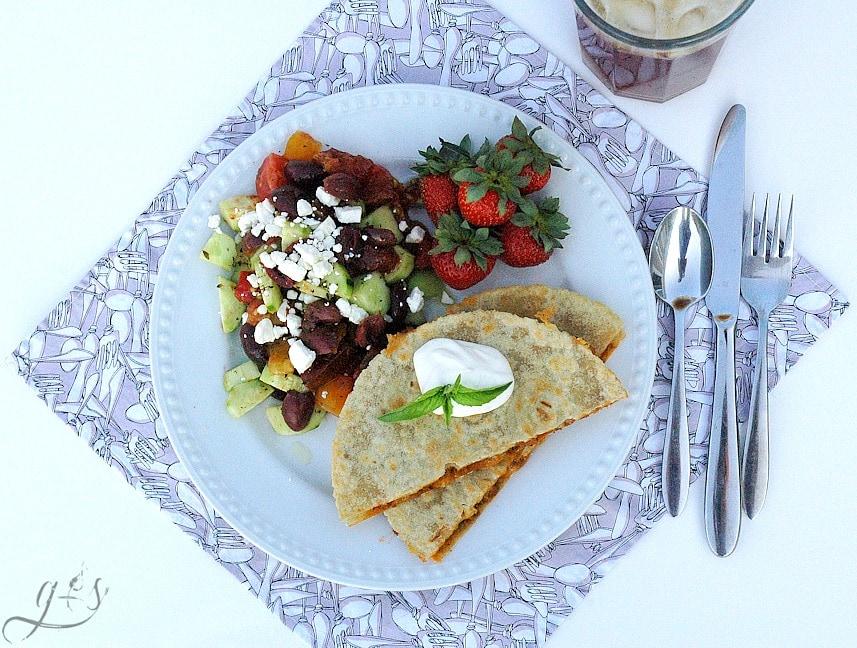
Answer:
(725, 219)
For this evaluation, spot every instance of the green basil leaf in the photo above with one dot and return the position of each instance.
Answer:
(467, 396)
(423, 405)
(447, 410)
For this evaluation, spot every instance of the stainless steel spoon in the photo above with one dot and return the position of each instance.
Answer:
(681, 263)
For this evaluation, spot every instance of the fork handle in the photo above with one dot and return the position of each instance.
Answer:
(754, 469)
(676, 459)
(722, 485)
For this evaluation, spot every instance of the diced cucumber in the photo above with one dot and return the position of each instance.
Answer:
(234, 208)
(245, 372)
(371, 293)
(403, 268)
(292, 233)
(245, 396)
(310, 288)
(275, 417)
(220, 250)
(415, 319)
(383, 217)
(427, 281)
(272, 296)
(254, 258)
(230, 308)
(289, 382)
(340, 278)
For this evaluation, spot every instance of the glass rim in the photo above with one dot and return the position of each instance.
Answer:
(661, 43)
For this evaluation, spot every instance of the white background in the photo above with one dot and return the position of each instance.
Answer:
(100, 105)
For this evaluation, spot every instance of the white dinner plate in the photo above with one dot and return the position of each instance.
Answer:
(276, 490)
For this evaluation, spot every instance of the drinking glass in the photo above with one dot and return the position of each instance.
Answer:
(653, 69)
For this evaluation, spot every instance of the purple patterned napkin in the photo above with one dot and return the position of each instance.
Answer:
(89, 358)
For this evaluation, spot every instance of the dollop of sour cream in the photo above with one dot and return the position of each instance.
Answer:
(440, 361)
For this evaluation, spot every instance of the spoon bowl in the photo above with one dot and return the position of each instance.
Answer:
(681, 259)
(681, 262)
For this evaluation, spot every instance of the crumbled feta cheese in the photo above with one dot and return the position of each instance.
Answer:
(306, 298)
(320, 269)
(304, 208)
(403, 226)
(388, 319)
(324, 393)
(325, 228)
(214, 221)
(244, 317)
(332, 288)
(351, 312)
(301, 356)
(325, 198)
(278, 257)
(293, 322)
(261, 309)
(348, 214)
(299, 306)
(446, 299)
(357, 314)
(363, 237)
(292, 270)
(253, 280)
(257, 221)
(344, 307)
(291, 294)
(415, 300)
(266, 260)
(312, 223)
(283, 311)
(416, 235)
(308, 254)
(337, 248)
(264, 332)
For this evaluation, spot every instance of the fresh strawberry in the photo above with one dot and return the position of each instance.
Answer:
(490, 190)
(533, 234)
(437, 190)
(464, 256)
(439, 195)
(537, 162)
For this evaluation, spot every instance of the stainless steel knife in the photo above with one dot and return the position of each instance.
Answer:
(725, 218)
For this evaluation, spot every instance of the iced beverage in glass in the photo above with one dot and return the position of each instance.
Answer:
(654, 49)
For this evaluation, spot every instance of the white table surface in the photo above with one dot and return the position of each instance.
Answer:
(101, 104)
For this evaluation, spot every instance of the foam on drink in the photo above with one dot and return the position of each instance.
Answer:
(663, 19)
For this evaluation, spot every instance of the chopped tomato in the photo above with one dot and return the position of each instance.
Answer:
(253, 314)
(332, 394)
(271, 175)
(243, 289)
(301, 146)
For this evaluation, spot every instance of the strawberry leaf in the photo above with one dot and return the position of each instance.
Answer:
(476, 192)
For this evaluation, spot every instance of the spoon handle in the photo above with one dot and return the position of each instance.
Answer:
(676, 460)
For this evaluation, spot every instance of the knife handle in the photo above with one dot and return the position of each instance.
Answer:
(722, 483)
(676, 459)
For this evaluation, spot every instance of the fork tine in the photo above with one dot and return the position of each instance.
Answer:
(775, 235)
(788, 245)
(762, 247)
(749, 225)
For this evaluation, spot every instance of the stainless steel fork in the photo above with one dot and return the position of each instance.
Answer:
(766, 273)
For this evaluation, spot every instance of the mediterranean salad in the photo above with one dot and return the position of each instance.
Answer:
(324, 260)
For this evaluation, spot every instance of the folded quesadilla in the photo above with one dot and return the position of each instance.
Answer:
(569, 311)
(376, 465)
(431, 523)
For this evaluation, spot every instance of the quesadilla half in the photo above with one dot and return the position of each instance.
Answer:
(377, 465)
(431, 523)
(569, 311)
